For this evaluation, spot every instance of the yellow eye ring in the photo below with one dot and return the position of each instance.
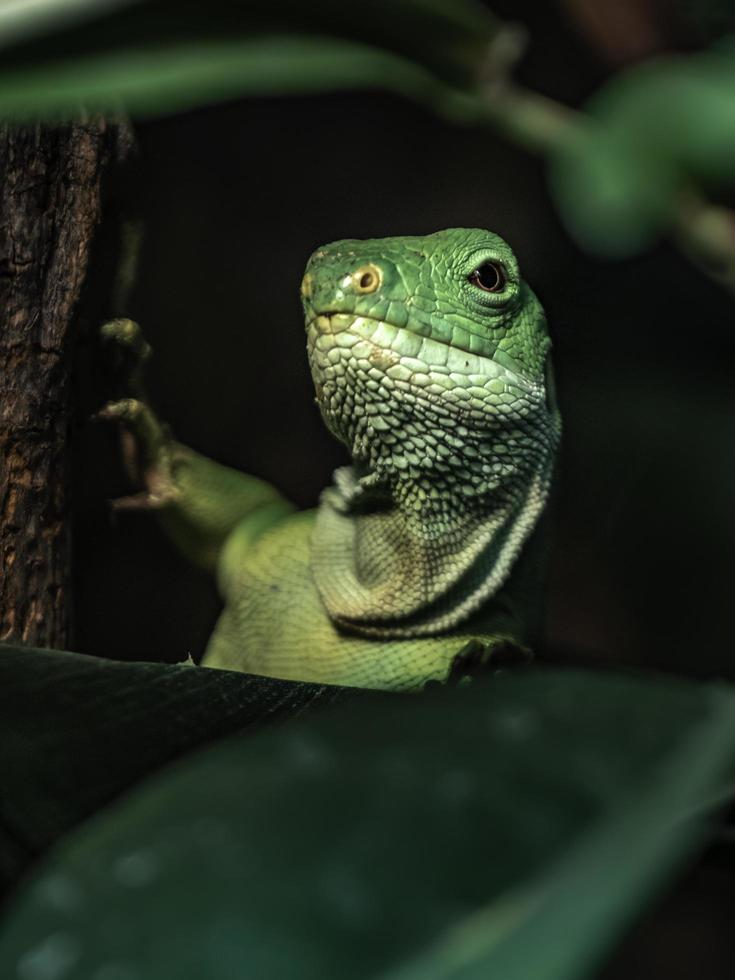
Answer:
(366, 279)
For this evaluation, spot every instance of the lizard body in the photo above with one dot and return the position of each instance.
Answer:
(430, 359)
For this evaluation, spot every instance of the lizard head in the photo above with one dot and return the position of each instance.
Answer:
(418, 335)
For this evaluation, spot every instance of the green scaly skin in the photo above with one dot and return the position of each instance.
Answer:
(427, 551)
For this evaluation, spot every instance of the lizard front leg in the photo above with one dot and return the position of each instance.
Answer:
(198, 501)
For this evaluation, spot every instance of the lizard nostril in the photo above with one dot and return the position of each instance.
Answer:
(366, 279)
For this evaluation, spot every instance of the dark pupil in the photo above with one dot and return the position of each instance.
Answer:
(488, 277)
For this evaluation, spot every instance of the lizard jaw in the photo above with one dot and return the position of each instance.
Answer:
(394, 343)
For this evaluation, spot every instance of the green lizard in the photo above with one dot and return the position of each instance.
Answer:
(430, 359)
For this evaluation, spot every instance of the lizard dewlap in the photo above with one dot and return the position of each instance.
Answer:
(430, 360)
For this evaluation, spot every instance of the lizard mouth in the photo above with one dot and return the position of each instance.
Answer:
(407, 342)
(335, 321)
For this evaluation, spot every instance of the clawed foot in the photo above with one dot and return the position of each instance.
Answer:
(146, 442)
(476, 658)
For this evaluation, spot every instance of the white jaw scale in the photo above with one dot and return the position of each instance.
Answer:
(383, 350)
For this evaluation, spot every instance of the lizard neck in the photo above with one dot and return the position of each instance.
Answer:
(413, 553)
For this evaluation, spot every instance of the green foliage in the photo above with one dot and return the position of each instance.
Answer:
(158, 56)
(619, 172)
(506, 829)
(654, 134)
(88, 728)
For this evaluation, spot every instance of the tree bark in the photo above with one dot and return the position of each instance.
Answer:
(50, 207)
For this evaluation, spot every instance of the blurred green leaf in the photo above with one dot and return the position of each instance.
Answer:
(149, 81)
(159, 56)
(506, 830)
(652, 134)
(20, 19)
(76, 730)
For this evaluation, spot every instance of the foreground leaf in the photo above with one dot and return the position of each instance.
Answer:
(75, 731)
(507, 831)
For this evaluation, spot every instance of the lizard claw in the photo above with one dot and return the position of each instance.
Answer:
(476, 658)
(122, 410)
(146, 442)
(127, 333)
(147, 454)
(145, 500)
(141, 420)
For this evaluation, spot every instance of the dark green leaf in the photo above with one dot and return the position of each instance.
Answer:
(75, 731)
(506, 830)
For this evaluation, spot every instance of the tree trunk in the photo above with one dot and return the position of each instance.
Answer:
(50, 207)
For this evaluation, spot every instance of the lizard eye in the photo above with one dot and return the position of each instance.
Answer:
(489, 277)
